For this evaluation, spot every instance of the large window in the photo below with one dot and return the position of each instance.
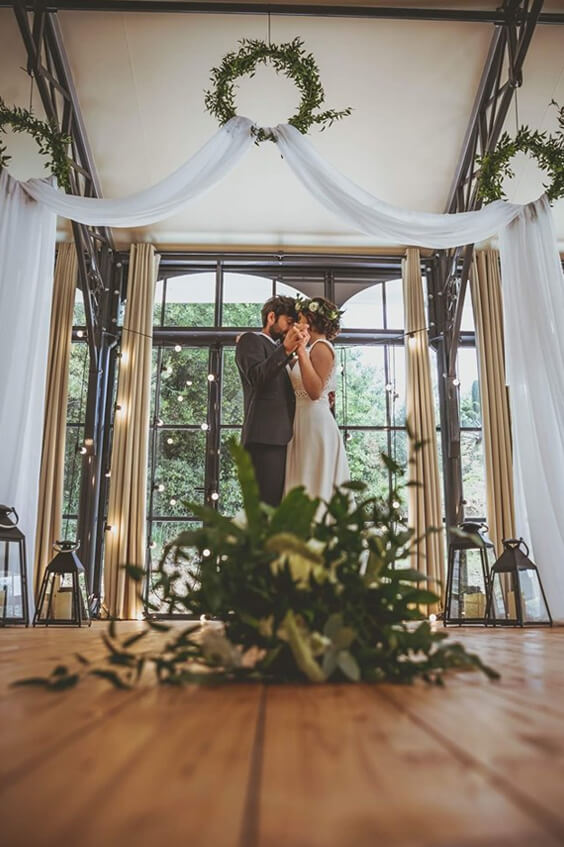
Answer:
(201, 306)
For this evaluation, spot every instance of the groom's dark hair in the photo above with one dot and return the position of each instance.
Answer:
(280, 305)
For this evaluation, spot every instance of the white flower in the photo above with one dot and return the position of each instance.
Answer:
(313, 306)
(218, 650)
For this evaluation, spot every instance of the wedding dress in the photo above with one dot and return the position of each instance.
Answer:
(316, 455)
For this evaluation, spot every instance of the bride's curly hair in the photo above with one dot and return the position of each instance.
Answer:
(321, 314)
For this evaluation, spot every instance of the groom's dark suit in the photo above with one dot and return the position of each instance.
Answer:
(269, 410)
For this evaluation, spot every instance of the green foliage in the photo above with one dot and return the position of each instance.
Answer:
(289, 58)
(51, 142)
(547, 149)
(297, 593)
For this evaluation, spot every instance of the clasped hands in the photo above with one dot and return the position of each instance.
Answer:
(296, 337)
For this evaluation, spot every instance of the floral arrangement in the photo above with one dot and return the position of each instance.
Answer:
(52, 143)
(548, 150)
(320, 306)
(289, 58)
(295, 593)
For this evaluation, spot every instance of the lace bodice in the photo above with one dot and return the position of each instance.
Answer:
(330, 385)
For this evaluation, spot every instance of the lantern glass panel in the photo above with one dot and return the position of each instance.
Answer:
(533, 606)
(468, 596)
(11, 594)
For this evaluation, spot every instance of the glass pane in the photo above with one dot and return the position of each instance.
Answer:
(73, 470)
(361, 389)
(162, 532)
(158, 303)
(470, 411)
(179, 473)
(78, 383)
(231, 390)
(473, 474)
(230, 500)
(467, 321)
(364, 310)
(299, 287)
(79, 318)
(364, 454)
(243, 297)
(394, 304)
(190, 300)
(68, 530)
(397, 385)
(184, 386)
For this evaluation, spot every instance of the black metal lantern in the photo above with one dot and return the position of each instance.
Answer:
(470, 555)
(14, 607)
(516, 596)
(63, 600)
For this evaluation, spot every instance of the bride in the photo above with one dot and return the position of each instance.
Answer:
(316, 455)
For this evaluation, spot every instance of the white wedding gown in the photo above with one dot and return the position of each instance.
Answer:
(316, 455)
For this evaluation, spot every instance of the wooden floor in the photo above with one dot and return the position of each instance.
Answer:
(473, 765)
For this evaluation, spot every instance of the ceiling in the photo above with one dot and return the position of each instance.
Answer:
(140, 79)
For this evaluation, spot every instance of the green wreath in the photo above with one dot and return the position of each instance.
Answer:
(548, 150)
(51, 141)
(289, 58)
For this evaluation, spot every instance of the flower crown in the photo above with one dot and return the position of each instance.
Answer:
(331, 313)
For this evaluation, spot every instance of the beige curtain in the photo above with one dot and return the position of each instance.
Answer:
(51, 479)
(485, 282)
(126, 533)
(424, 500)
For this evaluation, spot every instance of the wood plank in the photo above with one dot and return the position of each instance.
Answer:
(343, 765)
(519, 748)
(170, 767)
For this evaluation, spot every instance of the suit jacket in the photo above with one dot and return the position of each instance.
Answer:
(269, 399)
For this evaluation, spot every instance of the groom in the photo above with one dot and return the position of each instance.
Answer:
(269, 401)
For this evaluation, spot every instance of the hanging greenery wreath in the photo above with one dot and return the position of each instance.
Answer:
(51, 141)
(289, 58)
(548, 150)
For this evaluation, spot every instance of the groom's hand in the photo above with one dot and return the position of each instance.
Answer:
(292, 339)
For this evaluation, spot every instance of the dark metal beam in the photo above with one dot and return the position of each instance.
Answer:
(502, 75)
(485, 16)
(49, 66)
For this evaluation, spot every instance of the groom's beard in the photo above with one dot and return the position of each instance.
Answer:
(276, 333)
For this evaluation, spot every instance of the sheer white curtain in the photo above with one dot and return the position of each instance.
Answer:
(160, 201)
(533, 305)
(27, 255)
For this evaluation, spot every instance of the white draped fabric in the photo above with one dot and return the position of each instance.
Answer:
(532, 283)
(27, 254)
(160, 201)
(533, 305)
(367, 213)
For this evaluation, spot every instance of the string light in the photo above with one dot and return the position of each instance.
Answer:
(432, 618)
(177, 348)
(83, 450)
(170, 441)
(204, 427)
(188, 382)
(172, 501)
(108, 473)
(159, 421)
(214, 495)
(160, 487)
(456, 381)
(389, 386)
(180, 398)
(152, 545)
(211, 378)
(206, 552)
(80, 333)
